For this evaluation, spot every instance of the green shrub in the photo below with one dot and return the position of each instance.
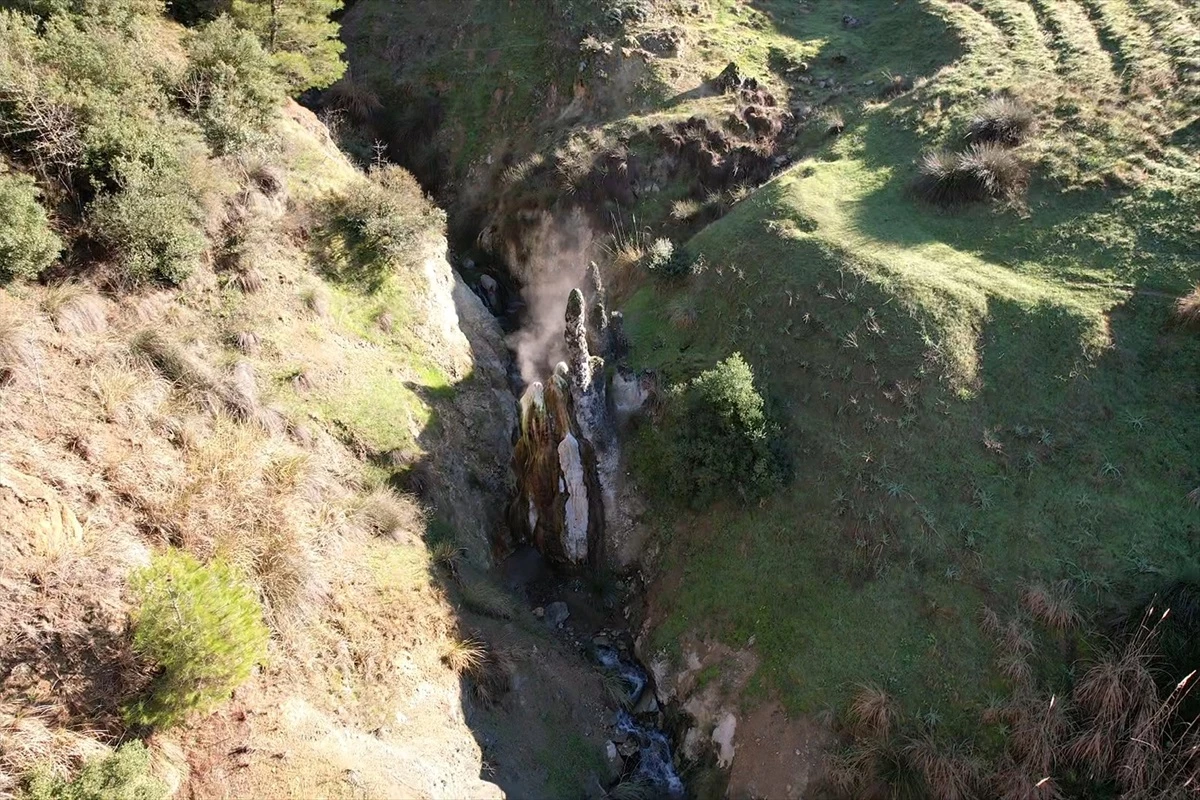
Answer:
(201, 626)
(152, 226)
(300, 36)
(377, 226)
(666, 260)
(123, 775)
(718, 438)
(230, 87)
(27, 243)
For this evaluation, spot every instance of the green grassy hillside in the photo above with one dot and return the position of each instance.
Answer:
(973, 399)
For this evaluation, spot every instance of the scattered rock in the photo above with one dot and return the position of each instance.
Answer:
(613, 761)
(646, 704)
(722, 737)
(849, 21)
(665, 43)
(594, 789)
(556, 614)
(539, 612)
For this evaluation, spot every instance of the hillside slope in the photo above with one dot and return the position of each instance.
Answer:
(978, 401)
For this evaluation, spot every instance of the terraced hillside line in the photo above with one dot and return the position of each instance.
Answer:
(1082, 60)
(1145, 68)
(1028, 41)
(984, 43)
(1176, 35)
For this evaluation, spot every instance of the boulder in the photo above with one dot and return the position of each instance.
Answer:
(556, 614)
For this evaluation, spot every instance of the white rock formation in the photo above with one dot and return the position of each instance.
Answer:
(575, 533)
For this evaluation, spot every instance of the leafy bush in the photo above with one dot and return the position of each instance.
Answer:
(982, 172)
(718, 437)
(123, 775)
(201, 626)
(667, 261)
(153, 226)
(230, 86)
(27, 244)
(377, 225)
(300, 36)
(1003, 120)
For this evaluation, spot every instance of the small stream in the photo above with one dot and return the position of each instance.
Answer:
(636, 728)
(654, 764)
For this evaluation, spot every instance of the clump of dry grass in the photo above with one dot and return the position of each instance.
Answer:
(463, 656)
(895, 85)
(1054, 606)
(388, 514)
(172, 361)
(354, 97)
(483, 597)
(446, 556)
(950, 772)
(872, 712)
(484, 668)
(1187, 309)
(316, 299)
(247, 342)
(248, 280)
(1002, 120)
(17, 350)
(984, 171)
(244, 496)
(683, 314)
(75, 310)
(1038, 726)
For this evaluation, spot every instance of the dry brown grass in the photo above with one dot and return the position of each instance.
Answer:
(247, 497)
(18, 353)
(386, 513)
(1053, 606)
(683, 314)
(950, 772)
(1187, 309)
(1038, 727)
(464, 656)
(1011, 781)
(872, 712)
(480, 595)
(248, 342)
(75, 310)
(248, 280)
(316, 299)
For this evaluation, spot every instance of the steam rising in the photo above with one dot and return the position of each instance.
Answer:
(558, 253)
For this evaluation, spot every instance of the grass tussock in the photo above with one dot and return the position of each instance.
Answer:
(980, 173)
(245, 497)
(1052, 606)
(1187, 309)
(1002, 120)
(483, 597)
(316, 299)
(18, 354)
(388, 514)
(950, 773)
(75, 311)
(485, 669)
(872, 713)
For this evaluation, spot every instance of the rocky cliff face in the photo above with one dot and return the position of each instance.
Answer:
(572, 501)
